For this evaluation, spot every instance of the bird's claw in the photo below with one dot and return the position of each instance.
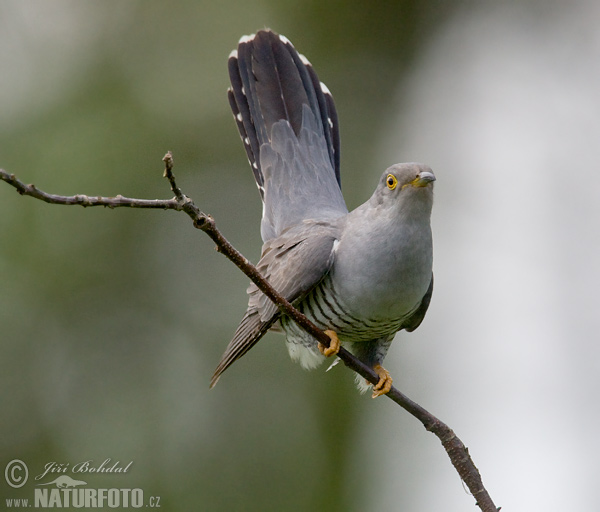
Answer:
(334, 344)
(385, 381)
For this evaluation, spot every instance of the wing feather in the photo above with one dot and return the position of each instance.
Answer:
(293, 264)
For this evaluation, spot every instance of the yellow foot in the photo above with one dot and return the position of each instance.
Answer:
(334, 345)
(385, 381)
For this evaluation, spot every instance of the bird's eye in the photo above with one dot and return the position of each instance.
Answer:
(391, 181)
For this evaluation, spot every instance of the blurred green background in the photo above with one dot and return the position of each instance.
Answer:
(112, 321)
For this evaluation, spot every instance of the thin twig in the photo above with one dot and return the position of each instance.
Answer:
(455, 448)
(169, 163)
(85, 201)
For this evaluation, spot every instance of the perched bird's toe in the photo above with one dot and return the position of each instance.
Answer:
(385, 381)
(334, 344)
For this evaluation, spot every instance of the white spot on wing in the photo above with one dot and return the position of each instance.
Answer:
(329, 121)
(262, 197)
(246, 141)
(246, 39)
(239, 117)
(325, 89)
(233, 54)
(285, 40)
(304, 60)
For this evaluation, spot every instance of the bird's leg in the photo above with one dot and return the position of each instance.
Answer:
(334, 344)
(385, 381)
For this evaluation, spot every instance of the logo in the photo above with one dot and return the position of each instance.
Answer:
(16, 473)
(64, 491)
(64, 482)
(87, 466)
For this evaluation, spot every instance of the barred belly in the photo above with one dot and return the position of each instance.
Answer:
(327, 310)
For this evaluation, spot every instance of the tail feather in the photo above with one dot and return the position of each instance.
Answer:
(334, 131)
(277, 83)
(248, 135)
(248, 334)
(271, 81)
(328, 117)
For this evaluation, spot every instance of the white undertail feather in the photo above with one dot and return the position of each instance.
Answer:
(362, 384)
(335, 363)
(311, 358)
(308, 357)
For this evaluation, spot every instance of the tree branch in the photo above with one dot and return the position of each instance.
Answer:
(455, 448)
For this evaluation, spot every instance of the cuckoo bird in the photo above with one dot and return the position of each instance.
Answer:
(361, 276)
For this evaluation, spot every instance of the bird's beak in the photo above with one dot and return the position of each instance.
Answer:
(423, 179)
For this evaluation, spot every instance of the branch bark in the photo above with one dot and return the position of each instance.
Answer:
(456, 450)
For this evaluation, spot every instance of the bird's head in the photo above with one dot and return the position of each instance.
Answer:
(402, 182)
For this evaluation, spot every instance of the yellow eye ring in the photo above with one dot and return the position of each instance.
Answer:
(391, 181)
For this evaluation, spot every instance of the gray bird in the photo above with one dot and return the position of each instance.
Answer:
(360, 276)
